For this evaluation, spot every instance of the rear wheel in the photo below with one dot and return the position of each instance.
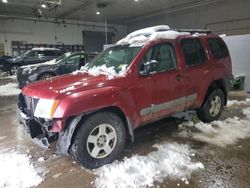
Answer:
(212, 108)
(99, 140)
(46, 76)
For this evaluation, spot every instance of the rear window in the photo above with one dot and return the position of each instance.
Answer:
(193, 52)
(218, 48)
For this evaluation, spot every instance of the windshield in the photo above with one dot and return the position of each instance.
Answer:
(63, 57)
(115, 57)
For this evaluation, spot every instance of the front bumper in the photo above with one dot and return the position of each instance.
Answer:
(32, 125)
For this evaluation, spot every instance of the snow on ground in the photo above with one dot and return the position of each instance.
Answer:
(231, 103)
(220, 133)
(9, 89)
(2, 137)
(173, 161)
(13, 77)
(16, 171)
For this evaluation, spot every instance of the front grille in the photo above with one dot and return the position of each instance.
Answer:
(27, 104)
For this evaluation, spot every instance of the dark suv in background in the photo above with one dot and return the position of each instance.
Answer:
(64, 64)
(33, 56)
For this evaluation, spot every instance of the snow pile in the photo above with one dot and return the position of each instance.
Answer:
(220, 133)
(110, 72)
(17, 171)
(148, 34)
(9, 89)
(232, 103)
(169, 161)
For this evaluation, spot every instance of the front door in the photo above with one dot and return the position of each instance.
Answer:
(70, 64)
(168, 90)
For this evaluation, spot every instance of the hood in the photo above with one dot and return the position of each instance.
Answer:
(64, 85)
(15, 59)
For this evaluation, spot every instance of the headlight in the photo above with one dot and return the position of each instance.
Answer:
(46, 108)
(28, 70)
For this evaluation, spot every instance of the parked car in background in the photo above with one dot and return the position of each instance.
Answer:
(33, 56)
(4, 62)
(149, 75)
(64, 64)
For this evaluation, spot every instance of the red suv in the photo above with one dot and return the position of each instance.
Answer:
(149, 75)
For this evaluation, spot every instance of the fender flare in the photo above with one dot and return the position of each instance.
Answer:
(65, 137)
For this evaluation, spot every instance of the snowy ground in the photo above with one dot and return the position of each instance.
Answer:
(173, 161)
(16, 170)
(9, 89)
(220, 133)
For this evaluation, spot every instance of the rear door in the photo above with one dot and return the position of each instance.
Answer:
(195, 68)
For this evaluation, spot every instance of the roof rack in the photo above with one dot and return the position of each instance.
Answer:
(193, 31)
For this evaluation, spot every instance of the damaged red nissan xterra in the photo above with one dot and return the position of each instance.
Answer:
(149, 75)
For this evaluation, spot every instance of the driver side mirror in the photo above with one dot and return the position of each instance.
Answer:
(149, 67)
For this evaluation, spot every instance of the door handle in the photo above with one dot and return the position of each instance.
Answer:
(178, 77)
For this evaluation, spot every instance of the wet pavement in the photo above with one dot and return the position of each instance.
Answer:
(224, 167)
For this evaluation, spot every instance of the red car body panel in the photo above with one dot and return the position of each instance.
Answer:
(134, 92)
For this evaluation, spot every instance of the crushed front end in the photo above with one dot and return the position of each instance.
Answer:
(43, 131)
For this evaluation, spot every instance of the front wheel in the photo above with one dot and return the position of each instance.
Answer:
(99, 140)
(213, 106)
(13, 69)
(46, 76)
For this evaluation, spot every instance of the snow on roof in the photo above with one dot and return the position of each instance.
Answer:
(151, 33)
(42, 48)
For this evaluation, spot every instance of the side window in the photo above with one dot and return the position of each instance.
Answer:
(193, 52)
(73, 59)
(218, 48)
(32, 54)
(164, 55)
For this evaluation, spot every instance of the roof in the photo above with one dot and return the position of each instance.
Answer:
(142, 36)
(42, 49)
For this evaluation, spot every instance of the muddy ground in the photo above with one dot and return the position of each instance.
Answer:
(224, 167)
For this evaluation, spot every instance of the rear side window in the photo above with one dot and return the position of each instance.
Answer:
(47, 53)
(218, 48)
(193, 52)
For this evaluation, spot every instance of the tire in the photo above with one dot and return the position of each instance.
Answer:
(108, 145)
(213, 106)
(13, 70)
(45, 76)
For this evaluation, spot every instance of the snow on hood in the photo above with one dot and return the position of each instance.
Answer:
(220, 133)
(110, 72)
(172, 161)
(51, 62)
(148, 34)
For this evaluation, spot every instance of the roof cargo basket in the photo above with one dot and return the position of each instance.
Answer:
(194, 31)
